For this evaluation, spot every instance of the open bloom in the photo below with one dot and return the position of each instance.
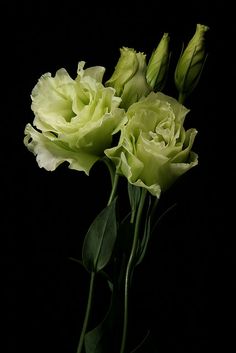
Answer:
(154, 148)
(75, 119)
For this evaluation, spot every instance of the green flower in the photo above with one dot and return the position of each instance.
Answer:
(191, 62)
(75, 119)
(158, 64)
(129, 77)
(154, 148)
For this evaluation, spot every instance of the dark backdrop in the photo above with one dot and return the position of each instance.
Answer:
(185, 289)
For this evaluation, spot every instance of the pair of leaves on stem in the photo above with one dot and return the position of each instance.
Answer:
(97, 252)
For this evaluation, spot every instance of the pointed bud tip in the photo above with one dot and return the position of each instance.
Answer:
(191, 62)
(202, 28)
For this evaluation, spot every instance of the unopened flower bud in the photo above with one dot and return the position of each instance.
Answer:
(137, 87)
(191, 61)
(129, 77)
(158, 64)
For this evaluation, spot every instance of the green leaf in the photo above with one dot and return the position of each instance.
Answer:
(100, 239)
(159, 219)
(101, 338)
(105, 337)
(142, 344)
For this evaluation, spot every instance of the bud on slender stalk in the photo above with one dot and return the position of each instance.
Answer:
(191, 62)
(158, 64)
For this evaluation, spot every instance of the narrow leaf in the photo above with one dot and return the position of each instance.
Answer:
(141, 344)
(105, 337)
(98, 340)
(100, 239)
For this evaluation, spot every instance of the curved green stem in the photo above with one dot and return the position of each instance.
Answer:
(86, 318)
(129, 268)
(114, 188)
(114, 178)
(110, 167)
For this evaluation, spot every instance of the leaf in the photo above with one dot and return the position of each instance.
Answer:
(100, 239)
(140, 347)
(99, 340)
(105, 338)
(162, 216)
(101, 273)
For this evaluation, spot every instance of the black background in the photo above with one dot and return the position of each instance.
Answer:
(185, 289)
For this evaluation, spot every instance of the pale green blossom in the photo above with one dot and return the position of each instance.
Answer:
(154, 148)
(74, 119)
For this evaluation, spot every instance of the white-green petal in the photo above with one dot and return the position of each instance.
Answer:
(154, 189)
(126, 67)
(154, 149)
(96, 72)
(50, 155)
(75, 119)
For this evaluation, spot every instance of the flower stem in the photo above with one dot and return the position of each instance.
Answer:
(130, 267)
(181, 98)
(110, 167)
(114, 188)
(86, 318)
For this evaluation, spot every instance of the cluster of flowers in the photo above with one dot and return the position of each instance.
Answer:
(76, 118)
(75, 121)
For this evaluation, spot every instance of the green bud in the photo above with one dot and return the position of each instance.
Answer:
(158, 64)
(125, 68)
(191, 62)
(129, 77)
(137, 87)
